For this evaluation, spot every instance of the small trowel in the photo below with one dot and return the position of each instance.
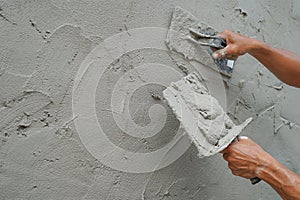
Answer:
(224, 65)
(197, 41)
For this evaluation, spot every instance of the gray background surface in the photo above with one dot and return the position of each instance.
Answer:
(43, 43)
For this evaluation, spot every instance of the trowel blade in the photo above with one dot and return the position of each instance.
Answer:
(201, 115)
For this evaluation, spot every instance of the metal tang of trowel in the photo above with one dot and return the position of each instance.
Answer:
(197, 41)
(211, 40)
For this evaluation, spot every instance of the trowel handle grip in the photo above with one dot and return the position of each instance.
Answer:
(255, 180)
(219, 43)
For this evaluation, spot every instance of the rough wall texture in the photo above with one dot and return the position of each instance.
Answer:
(43, 44)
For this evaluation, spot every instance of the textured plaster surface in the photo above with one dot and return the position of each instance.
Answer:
(43, 44)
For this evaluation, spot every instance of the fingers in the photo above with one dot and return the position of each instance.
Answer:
(242, 173)
(227, 150)
(223, 151)
(225, 156)
(242, 170)
(236, 46)
(227, 52)
(224, 35)
(220, 53)
(242, 157)
(221, 35)
(232, 57)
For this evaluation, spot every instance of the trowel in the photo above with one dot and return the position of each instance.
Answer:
(197, 41)
(225, 66)
(203, 119)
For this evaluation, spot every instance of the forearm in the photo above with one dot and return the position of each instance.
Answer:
(284, 64)
(284, 181)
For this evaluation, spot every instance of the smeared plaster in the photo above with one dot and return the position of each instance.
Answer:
(205, 122)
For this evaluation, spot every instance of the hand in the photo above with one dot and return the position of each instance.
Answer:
(236, 45)
(246, 158)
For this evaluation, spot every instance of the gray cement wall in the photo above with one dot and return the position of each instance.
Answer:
(80, 115)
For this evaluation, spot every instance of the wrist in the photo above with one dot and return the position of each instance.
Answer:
(257, 47)
(269, 171)
(264, 166)
(284, 181)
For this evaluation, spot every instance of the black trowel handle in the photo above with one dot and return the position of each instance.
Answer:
(255, 179)
(218, 43)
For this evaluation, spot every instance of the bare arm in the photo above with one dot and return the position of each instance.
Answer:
(247, 159)
(284, 64)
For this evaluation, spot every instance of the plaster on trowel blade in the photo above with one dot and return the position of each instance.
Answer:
(200, 114)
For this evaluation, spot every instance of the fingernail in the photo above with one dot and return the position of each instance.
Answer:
(243, 137)
(215, 55)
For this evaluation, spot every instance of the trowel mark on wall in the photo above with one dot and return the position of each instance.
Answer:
(241, 12)
(156, 96)
(44, 34)
(283, 122)
(5, 18)
(29, 102)
(277, 86)
(58, 61)
(181, 65)
(261, 113)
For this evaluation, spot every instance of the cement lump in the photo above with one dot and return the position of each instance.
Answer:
(204, 120)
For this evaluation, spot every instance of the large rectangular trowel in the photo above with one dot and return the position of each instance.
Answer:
(202, 117)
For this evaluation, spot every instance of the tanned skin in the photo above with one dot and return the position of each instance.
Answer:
(284, 64)
(246, 158)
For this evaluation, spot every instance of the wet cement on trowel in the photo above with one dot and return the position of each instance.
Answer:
(205, 122)
(42, 47)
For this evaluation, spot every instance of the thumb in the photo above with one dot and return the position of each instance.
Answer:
(221, 53)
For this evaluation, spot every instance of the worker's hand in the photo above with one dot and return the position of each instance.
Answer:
(237, 45)
(245, 158)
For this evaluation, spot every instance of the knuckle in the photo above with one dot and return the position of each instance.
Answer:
(231, 166)
(226, 31)
(235, 50)
(229, 52)
(229, 148)
(235, 172)
(230, 159)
